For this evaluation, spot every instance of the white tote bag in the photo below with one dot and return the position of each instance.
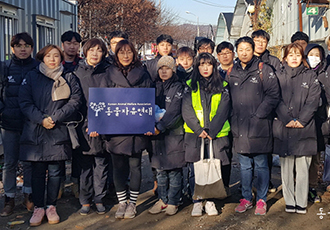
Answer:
(208, 181)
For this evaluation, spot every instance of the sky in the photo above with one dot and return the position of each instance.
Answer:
(207, 10)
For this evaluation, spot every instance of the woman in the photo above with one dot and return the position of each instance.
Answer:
(294, 127)
(208, 120)
(255, 93)
(316, 60)
(126, 150)
(167, 143)
(47, 98)
(92, 157)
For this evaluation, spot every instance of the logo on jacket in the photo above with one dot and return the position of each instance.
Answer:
(254, 80)
(236, 83)
(11, 79)
(24, 82)
(168, 99)
(271, 75)
(304, 85)
(178, 95)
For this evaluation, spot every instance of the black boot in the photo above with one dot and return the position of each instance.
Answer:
(9, 206)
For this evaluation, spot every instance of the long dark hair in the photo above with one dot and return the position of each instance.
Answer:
(135, 63)
(215, 83)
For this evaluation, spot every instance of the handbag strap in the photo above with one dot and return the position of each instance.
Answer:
(211, 149)
(202, 149)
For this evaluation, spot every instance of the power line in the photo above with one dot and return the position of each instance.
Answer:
(212, 4)
(193, 22)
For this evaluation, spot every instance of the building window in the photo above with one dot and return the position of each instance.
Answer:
(8, 24)
(44, 32)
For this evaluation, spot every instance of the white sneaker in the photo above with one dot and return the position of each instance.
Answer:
(197, 209)
(210, 209)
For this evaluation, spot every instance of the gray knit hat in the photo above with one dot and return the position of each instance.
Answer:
(166, 61)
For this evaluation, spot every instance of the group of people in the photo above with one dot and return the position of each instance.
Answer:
(254, 106)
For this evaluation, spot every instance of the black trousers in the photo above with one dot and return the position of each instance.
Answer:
(125, 166)
(56, 170)
(93, 178)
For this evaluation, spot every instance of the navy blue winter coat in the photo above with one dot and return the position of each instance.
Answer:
(38, 143)
(138, 77)
(300, 96)
(168, 146)
(253, 100)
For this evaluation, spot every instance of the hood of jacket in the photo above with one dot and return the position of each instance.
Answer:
(320, 67)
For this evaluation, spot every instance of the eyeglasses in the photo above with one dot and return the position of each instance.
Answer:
(20, 46)
(225, 54)
(260, 41)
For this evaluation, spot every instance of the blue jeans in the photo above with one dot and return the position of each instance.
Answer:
(54, 171)
(10, 140)
(169, 185)
(260, 162)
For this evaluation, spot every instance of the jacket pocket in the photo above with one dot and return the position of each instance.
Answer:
(190, 140)
(60, 134)
(95, 143)
(278, 129)
(30, 133)
(259, 128)
(309, 131)
(234, 125)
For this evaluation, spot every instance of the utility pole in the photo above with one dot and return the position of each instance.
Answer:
(90, 24)
(300, 16)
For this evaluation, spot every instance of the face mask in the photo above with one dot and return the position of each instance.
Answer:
(313, 61)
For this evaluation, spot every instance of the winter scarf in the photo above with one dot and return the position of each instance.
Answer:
(61, 89)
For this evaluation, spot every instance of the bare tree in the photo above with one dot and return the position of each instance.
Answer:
(141, 19)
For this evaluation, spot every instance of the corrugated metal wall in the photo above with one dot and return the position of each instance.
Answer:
(45, 20)
(286, 22)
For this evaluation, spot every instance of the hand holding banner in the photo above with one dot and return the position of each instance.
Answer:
(121, 110)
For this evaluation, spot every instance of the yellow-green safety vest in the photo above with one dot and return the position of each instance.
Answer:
(197, 105)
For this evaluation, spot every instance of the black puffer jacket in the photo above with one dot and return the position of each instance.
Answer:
(137, 78)
(253, 100)
(192, 140)
(300, 96)
(184, 75)
(71, 66)
(151, 66)
(168, 148)
(35, 100)
(16, 69)
(89, 77)
(270, 60)
(321, 114)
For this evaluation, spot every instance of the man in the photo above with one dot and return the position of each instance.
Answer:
(12, 120)
(261, 39)
(301, 38)
(184, 61)
(164, 47)
(255, 93)
(115, 37)
(70, 45)
(205, 45)
(225, 54)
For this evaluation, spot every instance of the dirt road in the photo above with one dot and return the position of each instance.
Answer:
(276, 218)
